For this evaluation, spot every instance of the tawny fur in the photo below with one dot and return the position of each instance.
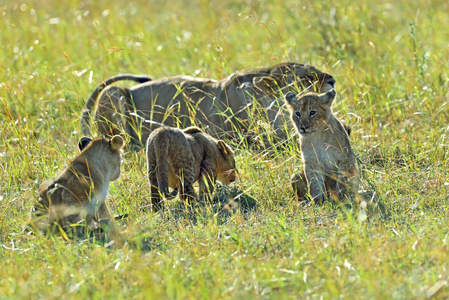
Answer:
(181, 101)
(299, 185)
(178, 158)
(79, 193)
(329, 163)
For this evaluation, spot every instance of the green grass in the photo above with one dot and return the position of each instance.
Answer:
(391, 62)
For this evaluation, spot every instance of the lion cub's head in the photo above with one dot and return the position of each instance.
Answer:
(310, 112)
(106, 152)
(226, 164)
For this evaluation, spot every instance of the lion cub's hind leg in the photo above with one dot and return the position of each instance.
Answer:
(155, 195)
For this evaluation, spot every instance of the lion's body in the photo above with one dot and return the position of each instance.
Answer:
(178, 158)
(79, 193)
(181, 101)
(329, 162)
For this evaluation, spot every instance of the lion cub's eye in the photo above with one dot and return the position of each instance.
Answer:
(298, 114)
(312, 113)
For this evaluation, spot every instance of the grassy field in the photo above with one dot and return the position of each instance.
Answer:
(391, 63)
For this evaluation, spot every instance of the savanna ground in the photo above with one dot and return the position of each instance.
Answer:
(391, 63)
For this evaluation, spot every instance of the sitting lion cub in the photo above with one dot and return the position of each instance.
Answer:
(329, 163)
(79, 193)
(178, 158)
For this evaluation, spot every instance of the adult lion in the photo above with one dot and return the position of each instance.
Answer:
(221, 107)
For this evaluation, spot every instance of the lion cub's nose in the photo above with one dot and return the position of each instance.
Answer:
(232, 177)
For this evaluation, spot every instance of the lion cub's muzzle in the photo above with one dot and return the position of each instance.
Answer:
(305, 129)
(230, 177)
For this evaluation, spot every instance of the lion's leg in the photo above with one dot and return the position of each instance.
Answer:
(104, 215)
(187, 192)
(335, 187)
(206, 185)
(109, 117)
(207, 178)
(162, 178)
(106, 220)
(134, 126)
(156, 197)
(107, 224)
(342, 185)
(71, 210)
(152, 178)
(299, 185)
(315, 182)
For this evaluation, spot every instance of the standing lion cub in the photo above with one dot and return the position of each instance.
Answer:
(79, 193)
(329, 164)
(178, 158)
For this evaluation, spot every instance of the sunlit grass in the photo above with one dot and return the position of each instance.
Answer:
(391, 62)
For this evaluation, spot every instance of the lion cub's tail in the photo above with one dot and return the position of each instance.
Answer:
(91, 102)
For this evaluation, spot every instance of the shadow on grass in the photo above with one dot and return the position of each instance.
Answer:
(225, 202)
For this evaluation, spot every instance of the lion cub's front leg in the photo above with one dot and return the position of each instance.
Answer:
(106, 223)
(208, 176)
(187, 177)
(315, 182)
(299, 185)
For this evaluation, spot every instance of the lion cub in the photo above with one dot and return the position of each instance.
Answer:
(329, 163)
(79, 193)
(178, 158)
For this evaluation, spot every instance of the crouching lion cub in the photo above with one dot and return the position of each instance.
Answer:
(79, 193)
(178, 158)
(329, 163)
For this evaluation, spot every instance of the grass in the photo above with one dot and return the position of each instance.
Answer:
(391, 62)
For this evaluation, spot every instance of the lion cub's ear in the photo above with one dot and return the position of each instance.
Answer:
(84, 141)
(327, 97)
(224, 148)
(116, 142)
(290, 98)
(265, 83)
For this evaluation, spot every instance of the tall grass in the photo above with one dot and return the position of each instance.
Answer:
(391, 63)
